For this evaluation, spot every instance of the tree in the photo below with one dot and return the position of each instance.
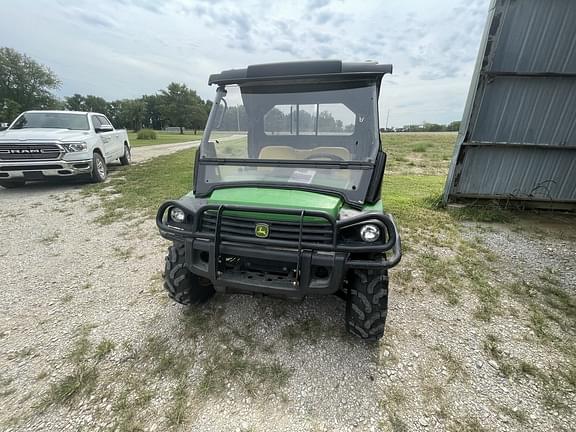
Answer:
(453, 126)
(96, 104)
(153, 116)
(182, 107)
(9, 110)
(24, 83)
(76, 102)
(131, 113)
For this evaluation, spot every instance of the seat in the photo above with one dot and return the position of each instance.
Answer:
(290, 153)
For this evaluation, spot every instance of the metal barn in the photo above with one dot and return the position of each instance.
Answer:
(517, 140)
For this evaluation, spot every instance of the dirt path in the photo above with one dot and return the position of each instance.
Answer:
(140, 154)
(89, 341)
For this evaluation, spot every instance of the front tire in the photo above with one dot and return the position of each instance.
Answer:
(99, 169)
(127, 158)
(12, 184)
(367, 304)
(183, 286)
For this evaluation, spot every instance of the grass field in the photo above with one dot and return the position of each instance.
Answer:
(163, 138)
(418, 153)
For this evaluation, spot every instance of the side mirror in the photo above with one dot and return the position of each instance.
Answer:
(104, 128)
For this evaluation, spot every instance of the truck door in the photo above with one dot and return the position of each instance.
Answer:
(116, 144)
(106, 138)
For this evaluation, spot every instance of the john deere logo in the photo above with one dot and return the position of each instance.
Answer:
(262, 230)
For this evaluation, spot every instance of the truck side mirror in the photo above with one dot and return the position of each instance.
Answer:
(104, 128)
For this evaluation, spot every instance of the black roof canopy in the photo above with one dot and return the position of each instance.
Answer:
(303, 71)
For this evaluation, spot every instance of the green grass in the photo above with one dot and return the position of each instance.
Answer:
(145, 186)
(418, 153)
(164, 138)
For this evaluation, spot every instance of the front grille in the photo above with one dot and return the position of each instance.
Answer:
(14, 151)
(34, 167)
(312, 232)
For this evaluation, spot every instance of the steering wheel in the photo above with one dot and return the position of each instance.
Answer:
(325, 156)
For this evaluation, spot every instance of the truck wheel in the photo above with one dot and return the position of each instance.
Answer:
(182, 285)
(367, 303)
(127, 158)
(99, 169)
(12, 184)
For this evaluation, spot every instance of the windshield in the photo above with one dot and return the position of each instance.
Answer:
(321, 125)
(307, 135)
(52, 120)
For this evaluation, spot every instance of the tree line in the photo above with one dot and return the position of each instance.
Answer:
(26, 84)
(426, 127)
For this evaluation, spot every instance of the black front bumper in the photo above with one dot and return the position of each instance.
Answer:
(310, 268)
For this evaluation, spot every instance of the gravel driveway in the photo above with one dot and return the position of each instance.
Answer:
(83, 313)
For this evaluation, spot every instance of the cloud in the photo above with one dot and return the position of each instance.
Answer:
(317, 4)
(152, 6)
(94, 20)
(139, 46)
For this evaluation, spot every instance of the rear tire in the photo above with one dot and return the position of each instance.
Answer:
(183, 286)
(12, 184)
(99, 169)
(127, 158)
(367, 304)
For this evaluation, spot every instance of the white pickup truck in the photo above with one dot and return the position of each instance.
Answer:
(40, 145)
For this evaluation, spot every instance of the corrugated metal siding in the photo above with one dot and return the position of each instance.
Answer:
(536, 36)
(527, 111)
(507, 173)
(521, 107)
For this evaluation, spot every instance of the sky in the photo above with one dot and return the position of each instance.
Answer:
(126, 48)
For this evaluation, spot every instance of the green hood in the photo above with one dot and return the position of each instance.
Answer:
(277, 198)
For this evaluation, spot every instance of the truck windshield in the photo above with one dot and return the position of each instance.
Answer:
(312, 135)
(52, 120)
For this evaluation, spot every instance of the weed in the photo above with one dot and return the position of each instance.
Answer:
(491, 347)
(420, 148)
(482, 213)
(467, 424)
(80, 382)
(514, 413)
(67, 298)
(397, 424)
(177, 412)
(453, 364)
(129, 403)
(48, 239)
(311, 330)
(104, 348)
(41, 376)
(231, 363)
(123, 254)
(441, 275)
(164, 360)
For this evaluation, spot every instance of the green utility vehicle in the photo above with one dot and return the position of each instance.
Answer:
(287, 198)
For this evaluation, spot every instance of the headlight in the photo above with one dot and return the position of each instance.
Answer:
(177, 215)
(370, 233)
(75, 147)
